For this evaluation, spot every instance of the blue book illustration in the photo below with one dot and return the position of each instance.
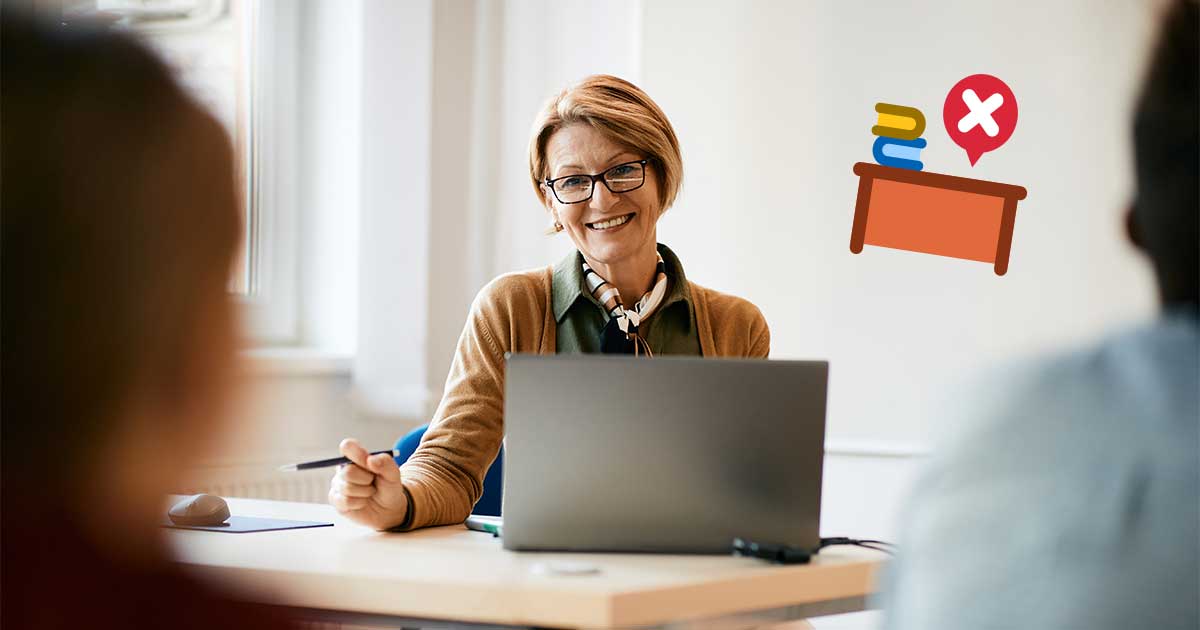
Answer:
(899, 153)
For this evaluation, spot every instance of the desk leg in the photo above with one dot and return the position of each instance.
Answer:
(1004, 244)
(858, 233)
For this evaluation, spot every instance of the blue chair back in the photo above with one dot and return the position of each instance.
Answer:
(493, 482)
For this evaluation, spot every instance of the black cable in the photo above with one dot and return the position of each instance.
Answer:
(785, 554)
(868, 543)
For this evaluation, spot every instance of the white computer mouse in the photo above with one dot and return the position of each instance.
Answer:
(199, 510)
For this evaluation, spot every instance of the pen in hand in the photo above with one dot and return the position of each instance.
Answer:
(334, 461)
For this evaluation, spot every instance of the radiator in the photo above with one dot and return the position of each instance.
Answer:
(253, 482)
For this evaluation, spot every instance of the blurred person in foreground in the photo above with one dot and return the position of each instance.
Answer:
(1076, 504)
(120, 226)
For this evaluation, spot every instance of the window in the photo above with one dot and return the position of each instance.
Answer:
(206, 44)
(236, 57)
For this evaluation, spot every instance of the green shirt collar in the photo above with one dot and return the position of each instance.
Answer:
(567, 286)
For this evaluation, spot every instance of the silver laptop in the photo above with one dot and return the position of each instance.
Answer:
(671, 454)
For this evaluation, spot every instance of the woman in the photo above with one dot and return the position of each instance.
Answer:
(605, 163)
(120, 228)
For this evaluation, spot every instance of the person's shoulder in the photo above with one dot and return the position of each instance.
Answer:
(1130, 398)
(513, 305)
(1031, 410)
(728, 308)
(1061, 462)
(1119, 388)
(516, 290)
(737, 325)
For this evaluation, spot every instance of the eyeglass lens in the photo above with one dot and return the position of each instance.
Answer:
(618, 179)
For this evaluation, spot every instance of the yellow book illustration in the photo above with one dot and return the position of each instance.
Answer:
(898, 121)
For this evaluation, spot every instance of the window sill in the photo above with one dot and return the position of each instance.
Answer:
(297, 361)
(853, 447)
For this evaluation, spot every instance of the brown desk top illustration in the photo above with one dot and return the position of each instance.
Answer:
(935, 214)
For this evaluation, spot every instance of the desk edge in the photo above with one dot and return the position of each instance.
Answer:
(939, 180)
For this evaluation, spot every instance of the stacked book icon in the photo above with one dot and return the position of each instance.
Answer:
(899, 143)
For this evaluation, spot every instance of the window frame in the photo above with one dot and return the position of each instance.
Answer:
(269, 306)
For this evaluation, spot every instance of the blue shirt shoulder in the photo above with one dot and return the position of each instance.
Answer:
(1074, 503)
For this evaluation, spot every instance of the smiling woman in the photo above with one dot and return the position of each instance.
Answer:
(605, 163)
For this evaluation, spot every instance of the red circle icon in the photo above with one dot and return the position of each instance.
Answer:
(980, 114)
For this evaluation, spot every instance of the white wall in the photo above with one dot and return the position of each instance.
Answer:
(773, 103)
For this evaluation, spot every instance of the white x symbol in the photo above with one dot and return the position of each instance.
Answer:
(981, 113)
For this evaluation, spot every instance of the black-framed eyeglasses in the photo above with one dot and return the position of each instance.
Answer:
(621, 178)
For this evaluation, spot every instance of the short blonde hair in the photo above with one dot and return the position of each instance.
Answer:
(619, 110)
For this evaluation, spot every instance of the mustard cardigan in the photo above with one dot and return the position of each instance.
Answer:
(513, 313)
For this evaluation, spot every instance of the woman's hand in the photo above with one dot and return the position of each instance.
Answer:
(368, 491)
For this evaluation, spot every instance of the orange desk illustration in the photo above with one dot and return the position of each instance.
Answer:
(934, 214)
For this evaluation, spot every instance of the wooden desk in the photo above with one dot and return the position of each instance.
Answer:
(353, 574)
